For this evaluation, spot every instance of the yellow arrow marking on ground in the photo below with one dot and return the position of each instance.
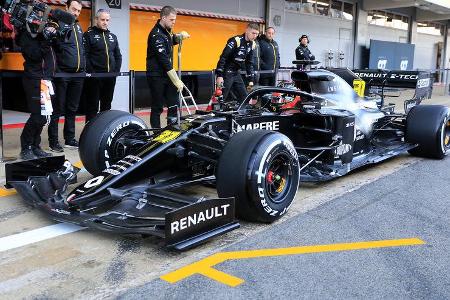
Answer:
(205, 266)
(8, 192)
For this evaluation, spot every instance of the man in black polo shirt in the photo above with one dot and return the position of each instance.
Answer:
(162, 79)
(236, 56)
(102, 56)
(269, 57)
(70, 58)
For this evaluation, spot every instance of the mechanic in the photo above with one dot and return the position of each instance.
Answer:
(70, 58)
(102, 56)
(302, 52)
(270, 57)
(237, 54)
(39, 67)
(256, 59)
(162, 79)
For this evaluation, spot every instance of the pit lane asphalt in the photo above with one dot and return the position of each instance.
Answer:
(89, 264)
(412, 202)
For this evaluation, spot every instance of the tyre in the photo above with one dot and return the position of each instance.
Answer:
(98, 147)
(428, 126)
(260, 169)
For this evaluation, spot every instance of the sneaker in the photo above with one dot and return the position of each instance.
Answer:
(71, 144)
(56, 147)
(40, 153)
(27, 153)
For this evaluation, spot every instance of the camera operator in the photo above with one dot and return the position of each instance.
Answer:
(70, 58)
(102, 56)
(39, 67)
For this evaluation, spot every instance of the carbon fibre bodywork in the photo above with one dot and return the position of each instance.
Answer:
(333, 132)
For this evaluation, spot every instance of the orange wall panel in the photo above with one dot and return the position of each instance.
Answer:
(199, 53)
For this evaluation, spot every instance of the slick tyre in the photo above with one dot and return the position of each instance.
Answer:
(428, 126)
(98, 147)
(261, 170)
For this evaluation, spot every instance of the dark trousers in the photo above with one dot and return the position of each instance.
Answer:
(98, 91)
(68, 93)
(163, 92)
(233, 84)
(31, 133)
(267, 80)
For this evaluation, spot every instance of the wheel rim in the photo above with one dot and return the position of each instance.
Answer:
(278, 177)
(445, 135)
(118, 150)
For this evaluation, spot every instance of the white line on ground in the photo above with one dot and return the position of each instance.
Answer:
(36, 235)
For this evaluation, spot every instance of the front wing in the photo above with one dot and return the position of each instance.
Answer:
(183, 221)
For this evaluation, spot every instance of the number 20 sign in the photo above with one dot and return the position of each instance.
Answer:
(116, 4)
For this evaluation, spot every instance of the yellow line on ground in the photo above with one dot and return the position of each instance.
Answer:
(8, 192)
(204, 266)
(78, 164)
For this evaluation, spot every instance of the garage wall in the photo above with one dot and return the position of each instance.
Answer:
(249, 8)
(325, 33)
(386, 34)
(425, 53)
(195, 56)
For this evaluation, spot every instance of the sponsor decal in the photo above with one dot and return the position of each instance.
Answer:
(382, 64)
(421, 83)
(343, 148)
(122, 165)
(198, 218)
(118, 128)
(272, 125)
(404, 65)
(384, 75)
(167, 136)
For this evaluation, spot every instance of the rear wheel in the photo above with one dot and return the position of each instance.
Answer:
(98, 142)
(428, 126)
(261, 170)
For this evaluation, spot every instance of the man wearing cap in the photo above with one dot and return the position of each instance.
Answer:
(302, 52)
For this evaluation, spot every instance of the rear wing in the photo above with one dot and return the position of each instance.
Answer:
(421, 81)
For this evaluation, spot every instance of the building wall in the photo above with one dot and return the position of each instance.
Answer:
(250, 8)
(386, 34)
(426, 50)
(325, 34)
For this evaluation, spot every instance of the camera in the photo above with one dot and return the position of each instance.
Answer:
(37, 17)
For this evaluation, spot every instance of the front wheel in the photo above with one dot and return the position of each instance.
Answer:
(261, 170)
(99, 147)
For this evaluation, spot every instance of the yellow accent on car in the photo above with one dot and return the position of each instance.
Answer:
(282, 185)
(359, 86)
(167, 136)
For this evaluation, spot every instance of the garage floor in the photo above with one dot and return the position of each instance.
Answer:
(402, 199)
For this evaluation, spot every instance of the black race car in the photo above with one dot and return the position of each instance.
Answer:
(255, 153)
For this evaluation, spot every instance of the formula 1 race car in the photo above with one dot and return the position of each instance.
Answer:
(254, 152)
